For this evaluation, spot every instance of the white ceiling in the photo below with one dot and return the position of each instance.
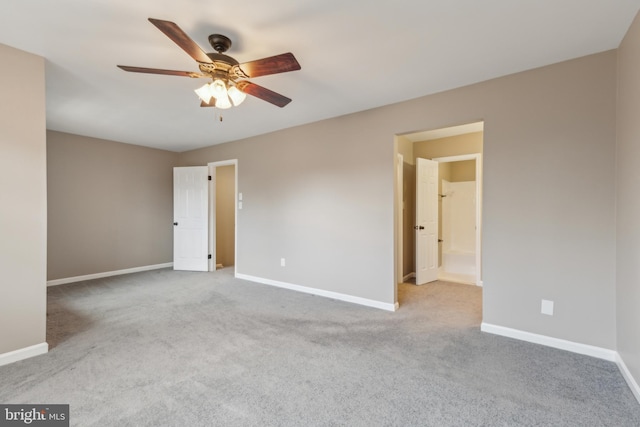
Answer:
(354, 56)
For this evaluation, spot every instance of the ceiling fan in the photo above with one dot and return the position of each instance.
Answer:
(228, 86)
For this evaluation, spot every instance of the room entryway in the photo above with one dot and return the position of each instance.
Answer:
(460, 218)
(457, 206)
(223, 205)
(205, 207)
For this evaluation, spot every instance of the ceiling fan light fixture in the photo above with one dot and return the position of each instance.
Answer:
(223, 103)
(218, 89)
(236, 95)
(204, 93)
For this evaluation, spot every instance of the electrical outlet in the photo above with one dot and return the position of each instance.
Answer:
(546, 307)
(282, 262)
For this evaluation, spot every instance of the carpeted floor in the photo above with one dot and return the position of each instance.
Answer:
(165, 348)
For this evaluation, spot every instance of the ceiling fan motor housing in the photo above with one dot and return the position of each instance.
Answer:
(223, 66)
(219, 42)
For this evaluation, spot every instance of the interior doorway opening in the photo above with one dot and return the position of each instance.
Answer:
(458, 151)
(223, 203)
(460, 206)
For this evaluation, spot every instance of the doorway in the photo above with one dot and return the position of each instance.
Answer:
(447, 146)
(223, 204)
(460, 207)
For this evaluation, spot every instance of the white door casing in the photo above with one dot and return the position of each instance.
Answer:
(190, 218)
(399, 215)
(426, 221)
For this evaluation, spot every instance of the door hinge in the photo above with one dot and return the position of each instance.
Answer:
(209, 177)
(209, 256)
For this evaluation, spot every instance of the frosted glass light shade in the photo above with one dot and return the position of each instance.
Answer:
(218, 89)
(218, 94)
(223, 102)
(204, 93)
(236, 95)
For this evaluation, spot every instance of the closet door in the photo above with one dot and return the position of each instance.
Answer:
(190, 220)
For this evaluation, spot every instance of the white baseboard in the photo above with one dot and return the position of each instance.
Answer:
(23, 353)
(320, 292)
(107, 274)
(588, 350)
(626, 374)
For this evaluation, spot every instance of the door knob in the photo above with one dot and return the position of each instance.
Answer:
(175, 223)
(418, 227)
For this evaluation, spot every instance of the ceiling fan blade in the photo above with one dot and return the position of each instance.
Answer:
(263, 93)
(272, 65)
(180, 38)
(159, 71)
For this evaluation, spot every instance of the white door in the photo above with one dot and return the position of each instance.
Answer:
(190, 220)
(426, 221)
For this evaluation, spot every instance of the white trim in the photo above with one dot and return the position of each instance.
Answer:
(23, 353)
(459, 158)
(66, 280)
(588, 350)
(626, 374)
(320, 292)
(399, 216)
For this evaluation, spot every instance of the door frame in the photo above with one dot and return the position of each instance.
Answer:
(399, 218)
(212, 212)
(478, 159)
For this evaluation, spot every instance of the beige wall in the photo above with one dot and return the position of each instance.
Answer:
(463, 171)
(23, 201)
(469, 143)
(628, 201)
(549, 219)
(225, 215)
(405, 147)
(321, 197)
(312, 196)
(110, 205)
